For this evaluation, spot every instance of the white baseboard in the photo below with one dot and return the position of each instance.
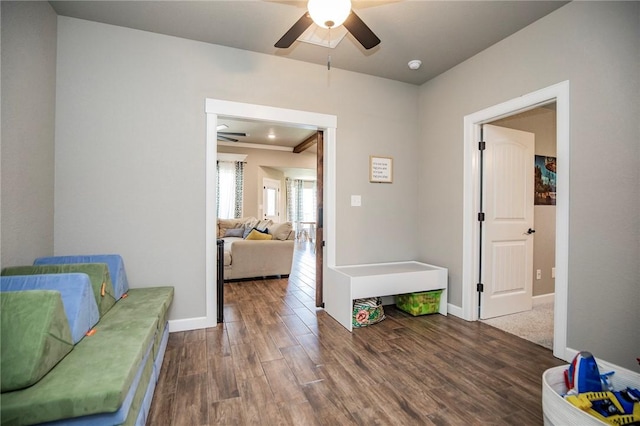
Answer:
(190, 324)
(544, 298)
(454, 310)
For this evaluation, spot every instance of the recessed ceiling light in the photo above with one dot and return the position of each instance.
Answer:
(271, 136)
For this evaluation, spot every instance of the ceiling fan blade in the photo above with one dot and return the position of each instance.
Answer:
(294, 32)
(361, 31)
(226, 139)
(232, 134)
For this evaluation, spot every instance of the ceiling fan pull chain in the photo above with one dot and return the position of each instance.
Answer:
(329, 52)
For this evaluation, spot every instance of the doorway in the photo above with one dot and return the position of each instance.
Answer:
(559, 94)
(534, 321)
(271, 199)
(326, 123)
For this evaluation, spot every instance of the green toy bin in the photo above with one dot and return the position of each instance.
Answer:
(424, 303)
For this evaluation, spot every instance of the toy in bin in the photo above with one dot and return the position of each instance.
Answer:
(583, 374)
(427, 302)
(593, 393)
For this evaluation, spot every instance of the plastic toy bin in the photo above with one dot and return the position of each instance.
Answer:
(427, 302)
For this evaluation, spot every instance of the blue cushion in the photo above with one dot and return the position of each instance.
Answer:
(114, 263)
(76, 292)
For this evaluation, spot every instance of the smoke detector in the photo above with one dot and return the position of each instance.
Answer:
(415, 64)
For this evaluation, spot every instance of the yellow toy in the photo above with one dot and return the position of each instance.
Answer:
(616, 408)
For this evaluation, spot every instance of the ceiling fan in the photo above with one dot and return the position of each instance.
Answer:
(330, 14)
(227, 136)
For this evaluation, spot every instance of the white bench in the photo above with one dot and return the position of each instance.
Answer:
(344, 284)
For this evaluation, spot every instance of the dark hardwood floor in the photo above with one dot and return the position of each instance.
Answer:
(279, 361)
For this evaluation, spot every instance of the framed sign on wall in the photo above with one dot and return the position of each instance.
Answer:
(380, 169)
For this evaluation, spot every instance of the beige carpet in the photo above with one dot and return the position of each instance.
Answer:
(535, 325)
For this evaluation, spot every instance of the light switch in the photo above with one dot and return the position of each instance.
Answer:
(356, 201)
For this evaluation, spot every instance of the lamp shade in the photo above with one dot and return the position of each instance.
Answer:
(329, 13)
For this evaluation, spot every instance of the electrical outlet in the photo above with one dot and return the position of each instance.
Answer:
(553, 272)
(538, 274)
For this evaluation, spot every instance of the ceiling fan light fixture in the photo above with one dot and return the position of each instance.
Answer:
(329, 13)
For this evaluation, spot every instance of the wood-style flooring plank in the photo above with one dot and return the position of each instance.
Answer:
(278, 360)
(191, 401)
(300, 364)
(246, 363)
(298, 414)
(283, 382)
(226, 412)
(194, 357)
(222, 378)
(218, 342)
(161, 412)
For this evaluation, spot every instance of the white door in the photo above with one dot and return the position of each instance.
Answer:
(271, 199)
(507, 248)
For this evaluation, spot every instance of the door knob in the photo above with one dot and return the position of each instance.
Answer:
(531, 231)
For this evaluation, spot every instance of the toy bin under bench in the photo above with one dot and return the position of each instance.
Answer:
(344, 284)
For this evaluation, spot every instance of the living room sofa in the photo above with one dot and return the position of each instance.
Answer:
(102, 373)
(244, 257)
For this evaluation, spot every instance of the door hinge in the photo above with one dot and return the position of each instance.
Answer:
(480, 287)
(482, 145)
(481, 217)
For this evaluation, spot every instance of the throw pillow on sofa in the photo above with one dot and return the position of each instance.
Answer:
(247, 231)
(224, 224)
(281, 231)
(263, 224)
(257, 235)
(235, 232)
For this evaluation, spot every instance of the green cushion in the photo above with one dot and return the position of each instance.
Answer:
(98, 274)
(35, 336)
(95, 377)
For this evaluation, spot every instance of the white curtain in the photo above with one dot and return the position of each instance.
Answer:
(301, 200)
(226, 189)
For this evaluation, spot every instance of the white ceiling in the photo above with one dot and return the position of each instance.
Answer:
(441, 34)
(258, 133)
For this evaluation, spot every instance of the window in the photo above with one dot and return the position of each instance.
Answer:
(301, 200)
(230, 189)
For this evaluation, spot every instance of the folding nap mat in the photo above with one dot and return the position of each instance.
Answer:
(35, 337)
(98, 274)
(77, 297)
(97, 377)
(113, 261)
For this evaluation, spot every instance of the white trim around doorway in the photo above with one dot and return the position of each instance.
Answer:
(215, 108)
(558, 93)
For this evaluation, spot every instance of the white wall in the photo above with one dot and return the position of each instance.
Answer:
(594, 45)
(130, 149)
(28, 118)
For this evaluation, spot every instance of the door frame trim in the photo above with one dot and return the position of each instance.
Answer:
(558, 93)
(325, 122)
